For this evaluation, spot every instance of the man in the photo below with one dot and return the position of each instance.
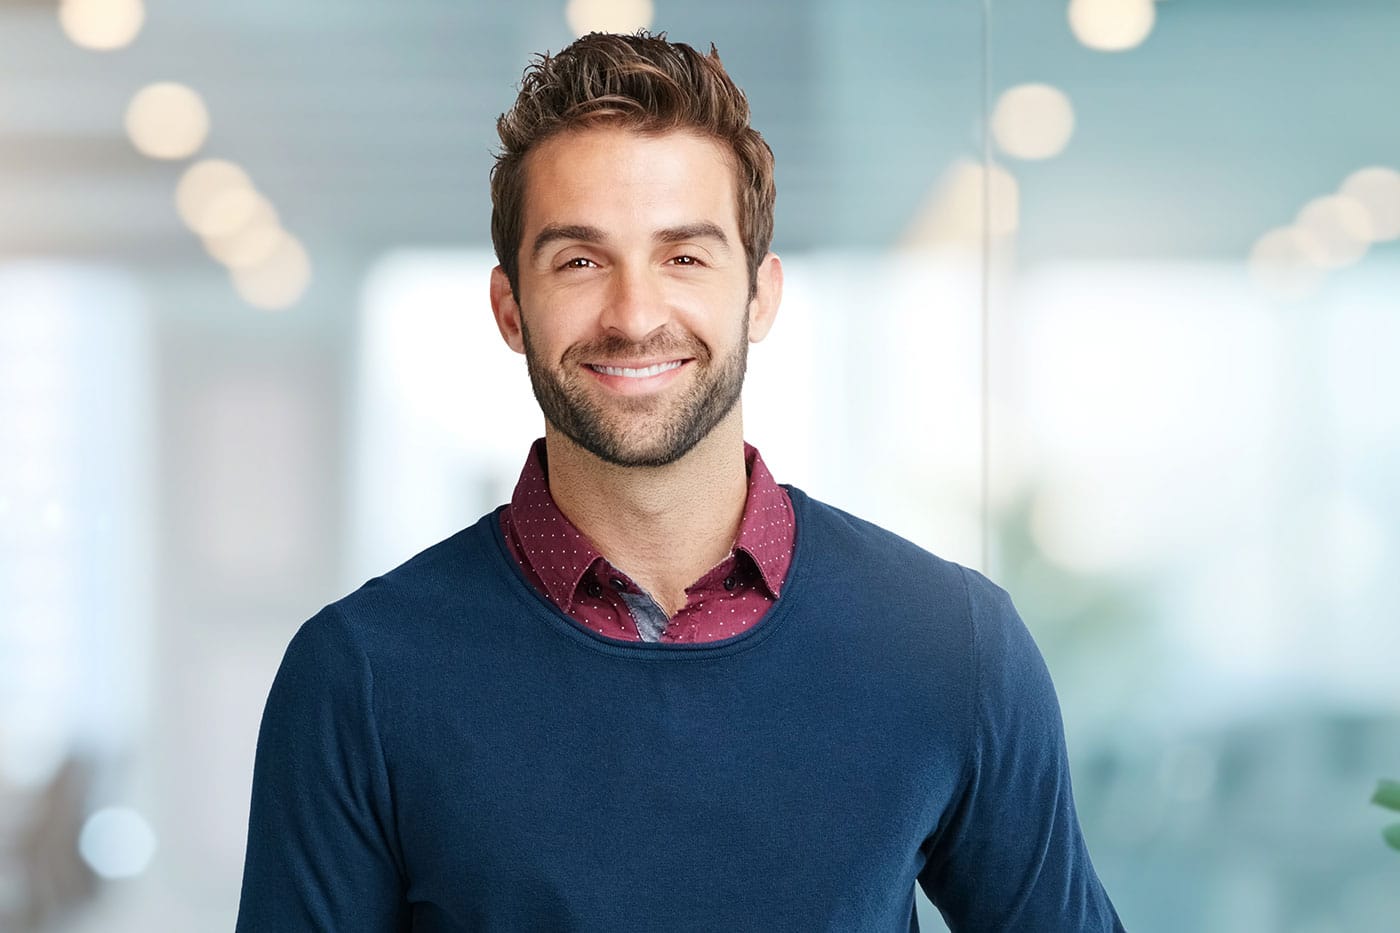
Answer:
(658, 691)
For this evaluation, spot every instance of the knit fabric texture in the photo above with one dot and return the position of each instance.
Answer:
(444, 750)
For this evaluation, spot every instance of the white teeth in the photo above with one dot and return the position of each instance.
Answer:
(636, 373)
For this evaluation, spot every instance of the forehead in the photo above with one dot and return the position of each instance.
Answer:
(616, 177)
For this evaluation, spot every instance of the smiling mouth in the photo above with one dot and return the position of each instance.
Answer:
(628, 372)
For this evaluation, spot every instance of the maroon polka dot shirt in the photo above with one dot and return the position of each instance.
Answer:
(565, 566)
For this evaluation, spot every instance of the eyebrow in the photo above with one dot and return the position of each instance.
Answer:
(578, 232)
(583, 233)
(700, 230)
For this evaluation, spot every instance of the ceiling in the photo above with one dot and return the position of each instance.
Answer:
(370, 125)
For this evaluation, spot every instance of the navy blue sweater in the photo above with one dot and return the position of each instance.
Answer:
(442, 750)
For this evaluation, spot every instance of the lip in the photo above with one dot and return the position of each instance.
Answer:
(637, 385)
(638, 364)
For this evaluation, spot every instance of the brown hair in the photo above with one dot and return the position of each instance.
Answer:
(642, 82)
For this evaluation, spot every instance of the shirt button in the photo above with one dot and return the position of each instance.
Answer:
(594, 589)
(619, 583)
(729, 582)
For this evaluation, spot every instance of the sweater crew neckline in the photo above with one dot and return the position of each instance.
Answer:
(556, 620)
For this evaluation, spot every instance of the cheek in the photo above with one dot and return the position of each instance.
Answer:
(715, 312)
(552, 347)
(711, 295)
(555, 311)
(569, 305)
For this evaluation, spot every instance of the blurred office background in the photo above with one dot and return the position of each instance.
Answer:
(1149, 384)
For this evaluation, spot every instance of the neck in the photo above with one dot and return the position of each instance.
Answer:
(663, 526)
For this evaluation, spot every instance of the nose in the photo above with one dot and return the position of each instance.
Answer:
(635, 303)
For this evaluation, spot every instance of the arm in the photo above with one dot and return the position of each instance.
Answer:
(321, 846)
(1009, 854)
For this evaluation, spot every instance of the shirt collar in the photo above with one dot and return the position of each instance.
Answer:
(561, 555)
(558, 552)
(766, 528)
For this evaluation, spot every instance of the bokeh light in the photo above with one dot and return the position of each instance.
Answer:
(971, 184)
(117, 842)
(1377, 189)
(101, 24)
(587, 16)
(1112, 25)
(1283, 263)
(167, 121)
(251, 244)
(201, 196)
(1340, 230)
(279, 281)
(1033, 121)
(232, 209)
(956, 211)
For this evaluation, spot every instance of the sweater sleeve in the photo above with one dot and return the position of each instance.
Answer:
(320, 853)
(1009, 855)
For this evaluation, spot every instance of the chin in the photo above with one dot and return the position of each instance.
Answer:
(619, 452)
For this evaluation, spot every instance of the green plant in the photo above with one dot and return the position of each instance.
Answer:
(1388, 795)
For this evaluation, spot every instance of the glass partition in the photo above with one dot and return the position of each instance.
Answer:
(1194, 439)
(1098, 297)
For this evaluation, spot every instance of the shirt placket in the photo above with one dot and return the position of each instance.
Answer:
(629, 601)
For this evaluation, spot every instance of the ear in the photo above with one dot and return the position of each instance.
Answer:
(506, 310)
(763, 307)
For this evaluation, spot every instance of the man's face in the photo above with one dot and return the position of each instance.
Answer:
(633, 309)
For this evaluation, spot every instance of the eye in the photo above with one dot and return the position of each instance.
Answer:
(578, 262)
(685, 260)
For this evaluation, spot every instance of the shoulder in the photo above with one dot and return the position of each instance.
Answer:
(425, 592)
(856, 563)
(830, 535)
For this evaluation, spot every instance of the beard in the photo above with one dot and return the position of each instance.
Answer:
(648, 431)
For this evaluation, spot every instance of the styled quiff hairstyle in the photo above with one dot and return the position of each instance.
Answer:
(643, 83)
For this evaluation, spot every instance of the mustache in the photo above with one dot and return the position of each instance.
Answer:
(617, 347)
